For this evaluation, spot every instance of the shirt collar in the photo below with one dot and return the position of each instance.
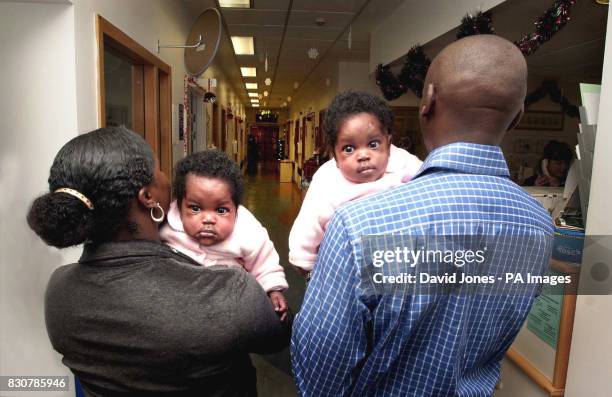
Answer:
(467, 158)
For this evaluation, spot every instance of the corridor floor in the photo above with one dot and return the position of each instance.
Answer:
(276, 205)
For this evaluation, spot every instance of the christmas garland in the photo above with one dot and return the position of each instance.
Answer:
(551, 89)
(475, 24)
(546, 26)
(415, 67)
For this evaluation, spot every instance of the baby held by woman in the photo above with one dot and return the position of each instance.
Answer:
(207, 223)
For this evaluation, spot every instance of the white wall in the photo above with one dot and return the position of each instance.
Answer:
(420, 21)
(145, 21)
(356, 76)
(590, 366)
(49, 95)
(314, 96)
(38, 113)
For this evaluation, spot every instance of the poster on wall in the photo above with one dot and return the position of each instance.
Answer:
(545, 315)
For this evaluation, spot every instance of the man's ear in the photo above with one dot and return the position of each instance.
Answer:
(428, 102)
(145, 198)
(516, 118)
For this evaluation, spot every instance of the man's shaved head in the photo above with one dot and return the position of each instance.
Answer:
(478, 85)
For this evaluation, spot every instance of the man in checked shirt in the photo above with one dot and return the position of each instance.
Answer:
(350, 342)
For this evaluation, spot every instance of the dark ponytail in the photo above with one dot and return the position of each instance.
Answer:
(108, 166)
(60, 220)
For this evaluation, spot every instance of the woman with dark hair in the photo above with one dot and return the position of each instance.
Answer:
(553, 166)
(133, 316)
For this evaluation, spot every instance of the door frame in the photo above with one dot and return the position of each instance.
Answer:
(157, 89)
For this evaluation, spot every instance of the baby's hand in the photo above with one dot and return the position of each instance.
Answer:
(279, 303)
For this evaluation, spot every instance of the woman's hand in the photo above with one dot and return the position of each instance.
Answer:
(279, 303)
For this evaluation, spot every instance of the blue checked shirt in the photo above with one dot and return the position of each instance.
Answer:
(348, 343)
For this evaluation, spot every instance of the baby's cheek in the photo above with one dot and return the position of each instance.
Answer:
(228, 228)
(190, 227)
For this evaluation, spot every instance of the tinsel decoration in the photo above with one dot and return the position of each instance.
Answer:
(389, 84)
(551, 89)
(187, 80)
(546, 26)
(415, 69)
(480, 23)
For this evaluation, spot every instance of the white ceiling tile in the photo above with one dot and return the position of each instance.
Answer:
(254, 17)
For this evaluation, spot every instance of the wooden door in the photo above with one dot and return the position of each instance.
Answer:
(147, 107)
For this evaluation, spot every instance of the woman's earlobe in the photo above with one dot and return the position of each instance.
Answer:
(145, 198)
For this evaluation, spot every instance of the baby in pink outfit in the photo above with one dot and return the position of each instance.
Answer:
(207, 223)
(358, 130)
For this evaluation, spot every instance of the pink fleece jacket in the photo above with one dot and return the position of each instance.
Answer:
(248, 246)
(328, 191)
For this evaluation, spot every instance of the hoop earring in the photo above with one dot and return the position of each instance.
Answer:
(161, 217)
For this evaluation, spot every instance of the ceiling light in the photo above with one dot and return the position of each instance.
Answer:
(248, 72)
(288, 99)
(313, 53)
(296, 85)
(268, 81)
(251, 86)
(260, 96)
(243, 45)
(254, 100)
(266, 61)
(253, 94)
(235, 3)
(255, 105)
(266, 93)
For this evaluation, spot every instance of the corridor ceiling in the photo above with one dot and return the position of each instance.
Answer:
(285, 30)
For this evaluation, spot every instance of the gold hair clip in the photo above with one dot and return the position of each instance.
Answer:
(77, 194)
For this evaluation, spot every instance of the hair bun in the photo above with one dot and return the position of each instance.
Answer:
(60, 220)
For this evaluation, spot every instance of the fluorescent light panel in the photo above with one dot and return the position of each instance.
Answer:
(243, 45)
(251, 86)
(253, 94)
(248, 72)
(235, 3)
(255, 105)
